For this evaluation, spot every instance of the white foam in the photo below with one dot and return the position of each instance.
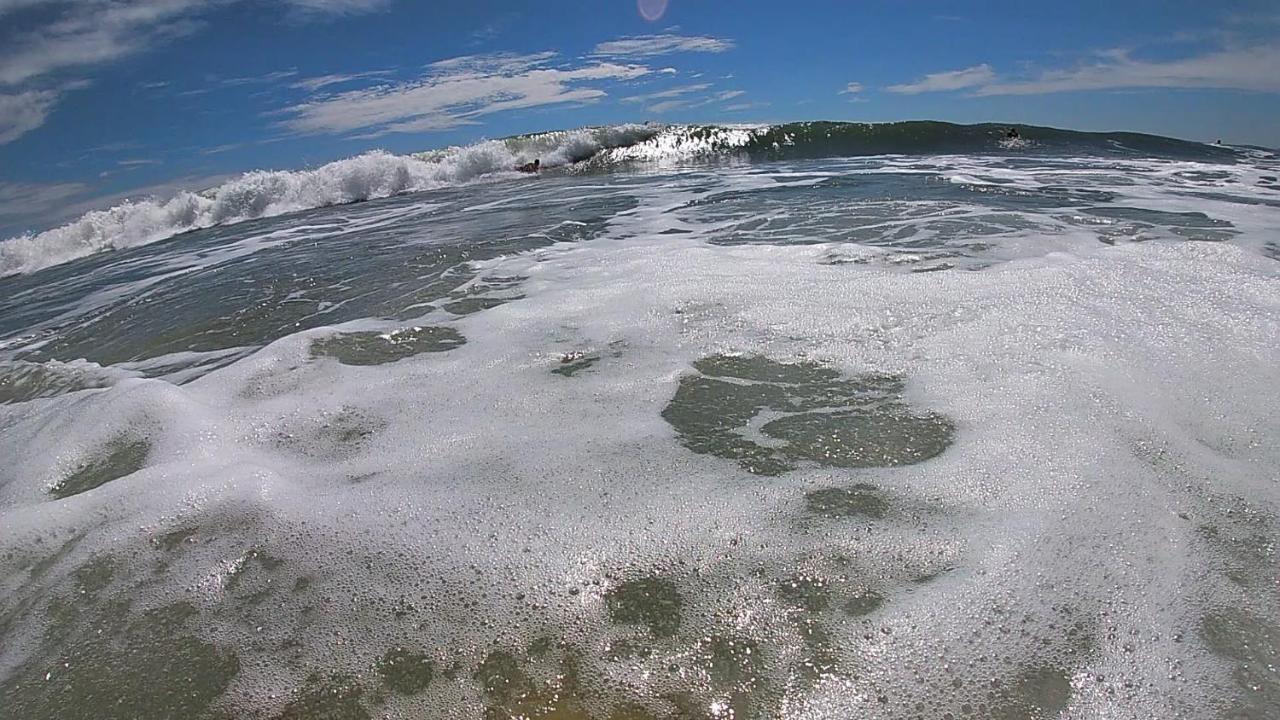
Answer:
(471, 475)
(264, 193)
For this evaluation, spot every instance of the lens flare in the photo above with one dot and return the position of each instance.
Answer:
(652, 10)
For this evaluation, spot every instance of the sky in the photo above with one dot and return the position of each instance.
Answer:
(102, 100)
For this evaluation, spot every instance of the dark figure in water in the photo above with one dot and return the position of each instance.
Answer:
(531, 167)
(1012, 134)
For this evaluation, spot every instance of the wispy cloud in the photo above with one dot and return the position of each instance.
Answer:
(222, 148)
(673, 92)
(852, 88)
(640, 46)
(264, 79)
(456, 92)
(493, 63)
(945, 81)
(18, 200)
(313, 84)
(12, 6)
(1253, 68)
(58, 37)
(20, 113)
(338, 7)
(495, 28)
(686, 103)
(82, 34)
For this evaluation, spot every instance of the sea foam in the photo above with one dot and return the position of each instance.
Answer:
(379, 174)
(266, 193)
(598, 499)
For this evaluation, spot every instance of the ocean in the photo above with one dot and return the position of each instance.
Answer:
(805, 421)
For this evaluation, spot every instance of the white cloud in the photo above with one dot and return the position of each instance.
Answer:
(24, 204)
(72, 35)
(222, 148)
(313, 84)
(264, 79)
(498, 62)
(27, 199)
(10, 6)
(1232, 68)
(495, 28)
(653, 45)
(23, 112)
(852, 88)
(78, 33)
(338, 7)
(944, 81)
(91, 32)
(669, 105)
(673, 92)
(1254, 68)
(681, 102)
(455, 92)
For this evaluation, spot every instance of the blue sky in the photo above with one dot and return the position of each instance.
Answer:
(102, 99)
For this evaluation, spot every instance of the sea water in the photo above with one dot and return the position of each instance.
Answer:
(677, 431)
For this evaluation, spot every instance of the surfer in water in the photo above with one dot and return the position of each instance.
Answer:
(1012, 134)
(532, 167)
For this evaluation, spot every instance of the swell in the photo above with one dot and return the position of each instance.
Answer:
(267, 193)
(921, 137)
(379, 174)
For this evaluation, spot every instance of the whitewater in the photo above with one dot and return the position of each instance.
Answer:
(266, 193)
(805, 421)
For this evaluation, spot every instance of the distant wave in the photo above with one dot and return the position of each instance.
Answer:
(380, 174)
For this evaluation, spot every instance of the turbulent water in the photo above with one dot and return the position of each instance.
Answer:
(805, 421)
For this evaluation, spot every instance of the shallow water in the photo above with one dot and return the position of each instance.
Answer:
(965, 436)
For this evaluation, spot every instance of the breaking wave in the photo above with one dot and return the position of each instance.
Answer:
(378, 174)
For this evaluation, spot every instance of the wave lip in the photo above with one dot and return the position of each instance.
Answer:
(267, 193)
(379, 174)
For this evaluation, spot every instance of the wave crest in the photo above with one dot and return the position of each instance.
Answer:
(379, 174)
(266, 193)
